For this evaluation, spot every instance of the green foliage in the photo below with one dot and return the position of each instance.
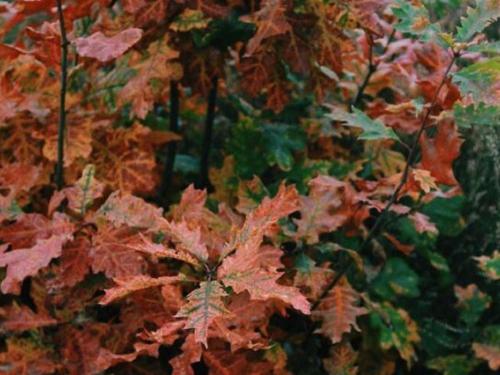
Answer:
(396, 280)
(414, 20)
(395, 329)
(477, 18)
(445, 213)
(274, 143)
(477, 114)
(372, 129)
(455, 364)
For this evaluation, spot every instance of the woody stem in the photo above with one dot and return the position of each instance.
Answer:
(207, 137)
(172, 146)
(59, 172)
(380, 221)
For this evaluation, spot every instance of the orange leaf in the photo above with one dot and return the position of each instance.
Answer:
(438, 153)
(104, 49)
(321, 210)
(22, 318)
(203, 306)
(489, 353)
(27, 262)
(338, 311)
(187, 239)
(125, 209)
(30, 228)
(270, 20)
(114, 252)
(128, 285)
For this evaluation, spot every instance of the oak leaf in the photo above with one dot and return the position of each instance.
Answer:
(438, 153)
(74, 263)
(128, 285)
(158, 251)
(80, 196)
(255, 271)
(29, 228)
(321, 210)
(9, 176)
(204, 304)
(23, 354)
(126, 209)
(22, 318)
(490, 265)
(114, 252)
(191, 353)
(489, 353)
(338, 311)
(187, 239)
(104, 49)
(77, 142)
(22, 263)
(270, 20)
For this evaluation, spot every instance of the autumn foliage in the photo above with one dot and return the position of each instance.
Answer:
(248, 187)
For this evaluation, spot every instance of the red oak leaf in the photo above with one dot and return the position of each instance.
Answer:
(22, 318)
(270, 20)
(102, 48)
(114, 252)
(204, 305)
(338, 311)
(125, 286)
(438, 153)
(125, 209)
(321, 210)
(27, 262)
(30, 228)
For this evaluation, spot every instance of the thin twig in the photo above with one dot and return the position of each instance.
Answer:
(372, 68)
(172, 146)
(59, 173)
(207, 137)
(380, 221)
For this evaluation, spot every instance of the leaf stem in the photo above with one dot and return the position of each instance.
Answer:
(380, 221)
(59, 172)
(372, 68)
(172, 146)
(207, 137)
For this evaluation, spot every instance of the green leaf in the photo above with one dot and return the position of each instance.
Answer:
(454, 364)
(477, 80)
(445, 213)
(477, 19)
(281, 141)
(490, 265)
(245, 143)
(488, 68)
(492, 48)
(372, 129)
(471, 303)
(303, 263)
(186, 164)
(9, 209)
(437, 261)
(395, 329)
(439, 338)
(273, 143)
(414, 20)
(397, 279)
(477, 114)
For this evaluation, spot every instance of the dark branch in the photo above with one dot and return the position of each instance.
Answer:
(372, 68)
(59, 173)
(166, 181)
(207, 137)
(380, 222)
